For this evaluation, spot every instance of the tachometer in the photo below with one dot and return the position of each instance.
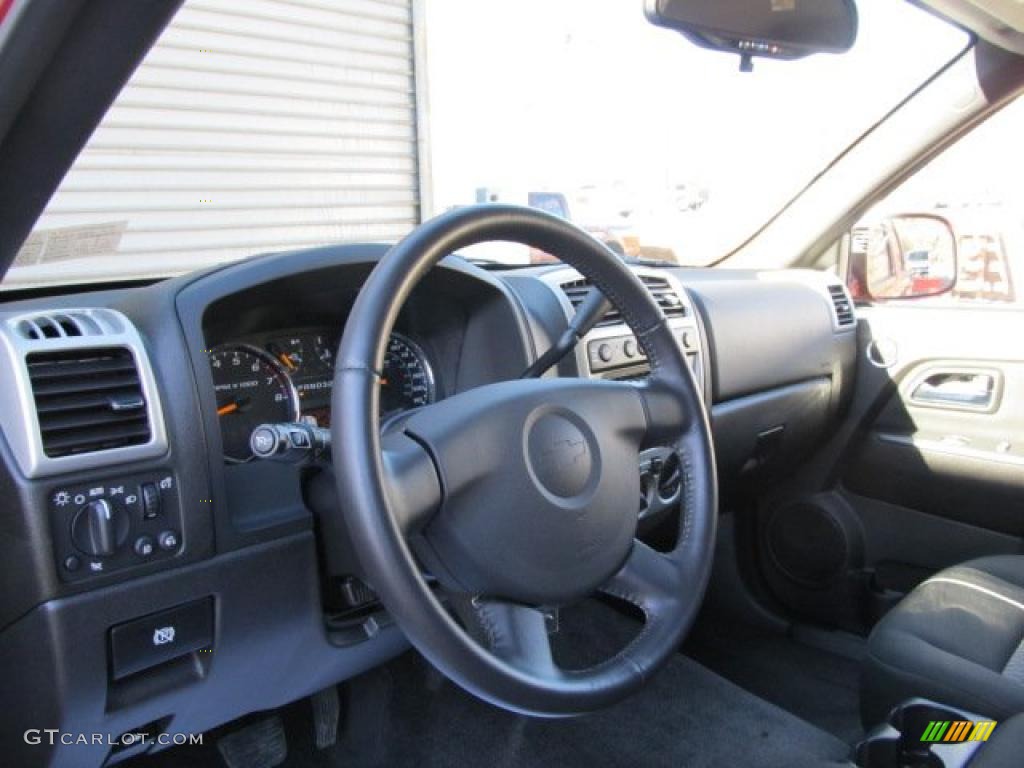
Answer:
(252, 388)
(408, 381)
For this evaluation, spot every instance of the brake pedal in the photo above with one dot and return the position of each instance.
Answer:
(326, 713)
(261, 744)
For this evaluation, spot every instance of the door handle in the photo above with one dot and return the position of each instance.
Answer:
(973, 390)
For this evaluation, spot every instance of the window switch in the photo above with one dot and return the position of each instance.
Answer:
(150, 501)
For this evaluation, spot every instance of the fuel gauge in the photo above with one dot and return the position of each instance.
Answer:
(289, 352)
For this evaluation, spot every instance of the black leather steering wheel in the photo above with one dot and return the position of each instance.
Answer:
(523, 493)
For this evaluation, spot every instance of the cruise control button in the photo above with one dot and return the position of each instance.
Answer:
(168, 540)
(143, 546)
(72, 563)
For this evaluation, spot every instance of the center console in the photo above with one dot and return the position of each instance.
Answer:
(923, 734)
(611, 350)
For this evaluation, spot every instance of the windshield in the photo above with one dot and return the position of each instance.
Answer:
(272, 126)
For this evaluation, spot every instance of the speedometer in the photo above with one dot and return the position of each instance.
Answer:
(408, 380)
(252, 389)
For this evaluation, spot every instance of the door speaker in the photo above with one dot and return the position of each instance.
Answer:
(814, 541)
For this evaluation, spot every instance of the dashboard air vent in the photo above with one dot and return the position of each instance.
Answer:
(660, 289)
(65, 325)
(665, 295)
(577, 290)
(843, 306)
(88, 400)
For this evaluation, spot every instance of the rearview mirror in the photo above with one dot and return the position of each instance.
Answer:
(906, 257)
(779, 29)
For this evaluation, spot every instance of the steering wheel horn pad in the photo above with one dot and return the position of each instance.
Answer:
(521, 494)
(562, 455)
(539, 486)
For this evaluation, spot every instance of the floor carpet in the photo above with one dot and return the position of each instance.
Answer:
(407, 714)
(817, 685)
(687, 717)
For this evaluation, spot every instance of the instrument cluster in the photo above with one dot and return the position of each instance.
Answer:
(287, 377)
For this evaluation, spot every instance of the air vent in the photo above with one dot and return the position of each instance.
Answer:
(88, 400)
(660, 289)
(665, 295)
(843, 306)
(66, 325)
(577, 290)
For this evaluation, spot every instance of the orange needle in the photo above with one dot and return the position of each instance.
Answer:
(287, 361)
(224, 410)
(383, 382)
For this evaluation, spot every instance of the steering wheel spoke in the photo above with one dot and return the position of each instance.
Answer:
(411, 482)
(648, 579)
(667, 415)
(516, 634)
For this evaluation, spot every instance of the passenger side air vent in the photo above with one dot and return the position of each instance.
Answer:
(843, 306)
(660, 289)
(88, 400)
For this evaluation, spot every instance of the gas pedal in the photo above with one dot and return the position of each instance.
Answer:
(326, 713)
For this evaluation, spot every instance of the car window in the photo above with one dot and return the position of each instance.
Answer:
(273, 126)
(975, 189)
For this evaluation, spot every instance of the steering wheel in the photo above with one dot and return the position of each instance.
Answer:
(521, 494)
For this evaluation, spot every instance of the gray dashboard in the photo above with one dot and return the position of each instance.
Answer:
(249, 557)
(783, 351)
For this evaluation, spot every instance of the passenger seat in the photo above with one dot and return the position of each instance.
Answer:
(958, 638)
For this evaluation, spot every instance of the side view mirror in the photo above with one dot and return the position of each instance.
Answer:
(908, 256)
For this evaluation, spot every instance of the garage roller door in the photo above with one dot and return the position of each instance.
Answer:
(253, 126)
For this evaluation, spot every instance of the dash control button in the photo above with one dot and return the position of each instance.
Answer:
(143, 546)
(167, 541)
(264, 442)
(160, 637)
(150, 501)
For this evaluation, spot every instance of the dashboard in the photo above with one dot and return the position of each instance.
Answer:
(133, 501)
